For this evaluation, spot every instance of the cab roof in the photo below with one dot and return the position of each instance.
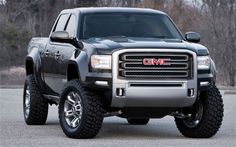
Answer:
(84, 10)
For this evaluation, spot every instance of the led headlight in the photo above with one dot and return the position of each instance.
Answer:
(203, 62)
(101, 61)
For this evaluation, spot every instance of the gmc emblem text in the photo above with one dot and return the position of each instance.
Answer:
(153, 61)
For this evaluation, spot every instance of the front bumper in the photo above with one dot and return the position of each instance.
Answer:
(152, 93)
(149, 93)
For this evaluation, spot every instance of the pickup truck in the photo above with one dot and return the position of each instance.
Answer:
(128, 62)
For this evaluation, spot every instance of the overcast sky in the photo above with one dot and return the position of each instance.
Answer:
(1, 1)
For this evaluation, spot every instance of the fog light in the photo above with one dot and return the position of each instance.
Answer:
(101, 83)
(191, 92)
(204, 83)
(120, 92)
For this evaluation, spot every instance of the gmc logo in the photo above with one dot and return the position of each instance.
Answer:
(153, 61)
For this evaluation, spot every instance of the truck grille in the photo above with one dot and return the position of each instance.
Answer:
(176, 65)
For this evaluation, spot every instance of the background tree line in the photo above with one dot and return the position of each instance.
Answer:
(215, 20)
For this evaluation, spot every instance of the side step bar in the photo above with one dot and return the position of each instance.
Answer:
(52, 99)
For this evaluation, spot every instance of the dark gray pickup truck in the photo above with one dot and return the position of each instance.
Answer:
(127, 62)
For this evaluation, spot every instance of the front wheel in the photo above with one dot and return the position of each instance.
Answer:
(80, 111)
(205, 116)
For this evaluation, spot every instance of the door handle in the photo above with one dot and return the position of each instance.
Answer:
(57, 55)
(46, 53)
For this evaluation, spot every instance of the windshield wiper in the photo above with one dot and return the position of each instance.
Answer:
(109, 37)
(115, 36)
(157, 36)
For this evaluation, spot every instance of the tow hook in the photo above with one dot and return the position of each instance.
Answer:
(179, 114)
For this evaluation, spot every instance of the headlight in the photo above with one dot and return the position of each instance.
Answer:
(203, 62)
(101, 61)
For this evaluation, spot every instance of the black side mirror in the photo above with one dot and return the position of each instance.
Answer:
(192, 37)
(63, 37)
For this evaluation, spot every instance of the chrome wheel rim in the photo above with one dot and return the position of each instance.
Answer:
(27, 101)
(73, 109)
(195, 117)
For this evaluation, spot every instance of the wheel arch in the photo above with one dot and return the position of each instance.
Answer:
(29, 66)
(33, 61)
(72, 71)
(78, 67)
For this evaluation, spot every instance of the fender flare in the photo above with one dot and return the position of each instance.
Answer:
(33, 63)
(78, 67)
(213, 70)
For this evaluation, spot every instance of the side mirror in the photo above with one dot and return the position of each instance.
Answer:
(192, 37)
(63, 37)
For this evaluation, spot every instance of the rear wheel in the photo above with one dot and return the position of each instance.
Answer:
(35, 106)
(205, 117)
(138, 121)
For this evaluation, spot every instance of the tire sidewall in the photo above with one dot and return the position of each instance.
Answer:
(28, 83)
(204, 116)
(38, 110)
(212, 117)
(24, 93)
(67, 129)
(92, 111)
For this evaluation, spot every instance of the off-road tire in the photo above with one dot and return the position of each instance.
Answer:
(137, 121)
(92, 116)
(212, 117)
(38, 109)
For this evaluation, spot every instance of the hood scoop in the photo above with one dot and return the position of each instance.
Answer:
(118, 38)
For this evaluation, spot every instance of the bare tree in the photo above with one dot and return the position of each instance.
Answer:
(215, 20)
(221, 20)
(118, 3)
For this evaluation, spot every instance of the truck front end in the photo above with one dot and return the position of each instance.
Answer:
(144, 68)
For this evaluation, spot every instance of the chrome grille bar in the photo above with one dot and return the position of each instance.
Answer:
(178, 66)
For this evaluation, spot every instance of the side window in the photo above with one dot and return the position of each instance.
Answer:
(71, 26)
(61, 22)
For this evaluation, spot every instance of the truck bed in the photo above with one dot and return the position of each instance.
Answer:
(39, 42)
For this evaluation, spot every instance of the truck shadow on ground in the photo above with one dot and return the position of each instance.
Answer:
(122, 130)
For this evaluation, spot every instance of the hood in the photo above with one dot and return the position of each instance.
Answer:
(107, 46)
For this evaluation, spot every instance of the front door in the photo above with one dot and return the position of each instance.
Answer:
(59, 54)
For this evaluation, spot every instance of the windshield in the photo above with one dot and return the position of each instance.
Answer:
(97, 25)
